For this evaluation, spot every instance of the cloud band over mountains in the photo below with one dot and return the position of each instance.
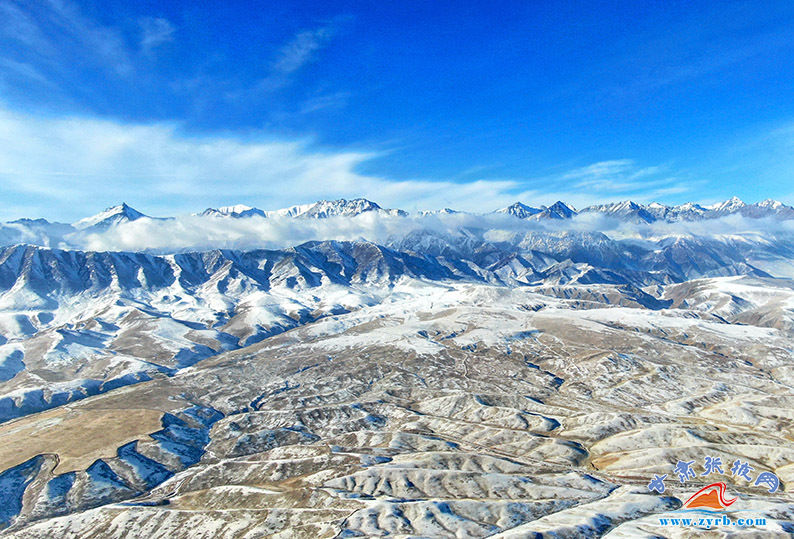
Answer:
(195, 232)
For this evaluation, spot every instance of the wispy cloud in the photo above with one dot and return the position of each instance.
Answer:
(705, 58)
(625, 177)
(55, 36)
(21, 26)
(294, 55)
(154, 32)
(47, 46)
(192, 232)
(301, 49)
(763, 155)
(22, 69)
(324, 102)
(57, 162)
(103, 44)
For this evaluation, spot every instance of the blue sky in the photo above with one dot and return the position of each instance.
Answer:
(176, 106)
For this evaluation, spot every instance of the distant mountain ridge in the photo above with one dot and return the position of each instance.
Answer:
(625, 210)
(238, 210)
(53, 234)
(316, 210)
(691, 211)
(629, 210)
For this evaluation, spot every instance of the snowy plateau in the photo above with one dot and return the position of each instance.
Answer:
(339, 369)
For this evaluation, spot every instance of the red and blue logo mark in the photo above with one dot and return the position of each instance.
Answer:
(710, 497)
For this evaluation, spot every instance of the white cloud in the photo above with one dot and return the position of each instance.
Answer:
(626, 177)
(324, 102)
(57, 38)
(295, 54)
(74, 166)
(301, 49)
(154, 32)
(22, 27)
(192, 232)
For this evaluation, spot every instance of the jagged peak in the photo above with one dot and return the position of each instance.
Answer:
(520, 210)
(443, 211)
(770, 203)
(623, 205)
(345, 207)
(516, 205)
(689, 206)
(731, 204)
(110, 216)
(237, 210)
(562, 205)
(558, 210)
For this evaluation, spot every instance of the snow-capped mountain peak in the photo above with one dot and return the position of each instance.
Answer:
(627, 205)
(771, 204)
(111, 216)
(335, 208)
(291, 211)
(517, 209)
(558, 210)
(341, 207)
(443, 211)
(688, 206)
(238, 210)
(628, 209)
(616, 207)
(731, 205)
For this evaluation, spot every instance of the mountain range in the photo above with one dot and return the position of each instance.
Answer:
(625, 210)
(83, 233)
(505, 380)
